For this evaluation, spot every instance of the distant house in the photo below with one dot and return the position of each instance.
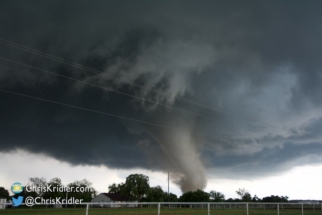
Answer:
(112, 198)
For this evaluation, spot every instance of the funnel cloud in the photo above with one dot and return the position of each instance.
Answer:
(182, 158)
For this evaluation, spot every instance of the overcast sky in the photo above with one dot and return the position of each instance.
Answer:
(221, 94)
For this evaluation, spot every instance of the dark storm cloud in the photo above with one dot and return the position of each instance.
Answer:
(257, 63)
(269, 161)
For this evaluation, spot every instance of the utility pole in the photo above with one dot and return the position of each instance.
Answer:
(66, 200)
(168, 189)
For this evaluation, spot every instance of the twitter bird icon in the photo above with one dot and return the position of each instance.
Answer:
(17, 201)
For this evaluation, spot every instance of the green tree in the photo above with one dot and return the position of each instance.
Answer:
(84, 190)
(244, 195)
(256, 199)
(241, 192)
(36, 182)
(54, 184)
(217, 196)
(233, 200)
(247, 197)
(117, 188)
(273, 198)
(172, 197)
(156, 194)
(195, 196)
(136, 186)
(4, 193)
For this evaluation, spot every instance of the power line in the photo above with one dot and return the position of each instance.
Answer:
(111, 115)
(33, 51)
(52, 57)
(108, 89)
(85, 109)
(98, 112)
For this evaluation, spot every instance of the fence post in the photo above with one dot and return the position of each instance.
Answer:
(278, 209)
(247, 208)
(159, 209)
(87, 209)
(302, 210)
(208, 209)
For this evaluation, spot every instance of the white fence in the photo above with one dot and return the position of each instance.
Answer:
(208, 208)
(211, 206)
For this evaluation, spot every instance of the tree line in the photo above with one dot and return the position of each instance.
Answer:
(136, 188)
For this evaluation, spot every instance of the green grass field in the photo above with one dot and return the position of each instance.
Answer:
(152, 211)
